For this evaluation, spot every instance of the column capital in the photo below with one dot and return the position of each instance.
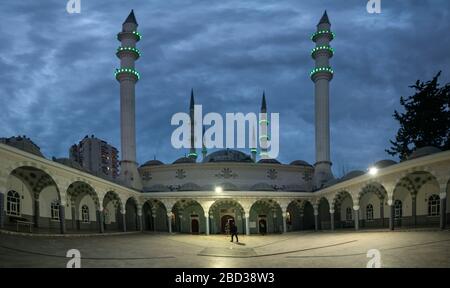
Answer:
(331, 211)
(443, 195)
(356, 207)
(390, 202)
(169, 214)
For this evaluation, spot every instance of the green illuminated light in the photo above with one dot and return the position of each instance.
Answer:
(132, 49)
(254, 150)
(192, 154)
(322, 32)
(321, 69)
(325, 47)
(127, 70)
(264, 121)
(138, 35)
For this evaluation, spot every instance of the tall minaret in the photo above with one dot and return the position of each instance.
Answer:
(321, 75)
(263, 134)
(253, 149)
(127, 77)
(192, 152)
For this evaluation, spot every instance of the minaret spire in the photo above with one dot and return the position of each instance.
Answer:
(321, 75)
(127, 77)
(192, 151)
(204, 150)
(253, 149)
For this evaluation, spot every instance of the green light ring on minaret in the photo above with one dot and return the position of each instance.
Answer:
(129, 49)
(135, 34)
(327, 48)
(321, 70)
(329, 33)
(130, 71)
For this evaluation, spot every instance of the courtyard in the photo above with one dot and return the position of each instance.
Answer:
(403, 248)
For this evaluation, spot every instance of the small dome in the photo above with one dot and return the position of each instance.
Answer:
(70, 163)
(227, 155)
(300, 163)
(23, 143)
(424, 151)
(351, 175)
(384, 163)
(331, 182)
(262, 187)
(184, 160)
(152, 163)
(269, 161)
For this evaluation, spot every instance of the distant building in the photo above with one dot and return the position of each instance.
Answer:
(96, 156)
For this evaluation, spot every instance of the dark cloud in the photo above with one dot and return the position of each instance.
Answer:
(57, 83)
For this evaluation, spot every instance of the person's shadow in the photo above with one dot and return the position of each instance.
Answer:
(240, 243)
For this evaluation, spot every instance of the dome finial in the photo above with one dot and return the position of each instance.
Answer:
(263, 104)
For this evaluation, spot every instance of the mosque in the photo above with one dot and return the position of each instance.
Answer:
(201, 196)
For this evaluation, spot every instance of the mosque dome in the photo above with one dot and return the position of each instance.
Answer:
(23, 143)
(351, 175)
(269, 161)
(331, 182)
(184, 160)
(68, 162)
(300, 163)
(424, 151)
(227, 155)
(152, 163)
(384, 163)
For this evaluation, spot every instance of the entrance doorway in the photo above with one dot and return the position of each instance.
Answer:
(262, 226)
(194, 226)
(225, 223)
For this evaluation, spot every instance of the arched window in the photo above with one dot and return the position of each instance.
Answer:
(85, 214)
(398, 209)
(54, 207)
(434, 205)
(348, 214)
(369, 212)
(13, 203)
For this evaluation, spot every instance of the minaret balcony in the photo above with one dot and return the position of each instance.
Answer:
(318, 72)
(326, 49)
(129, 35)
(127, 72)
(321, 33)
(128, 50)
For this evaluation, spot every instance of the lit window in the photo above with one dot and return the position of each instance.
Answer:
(13, 203)
(434, 205)
(85, 214)
(55, 210)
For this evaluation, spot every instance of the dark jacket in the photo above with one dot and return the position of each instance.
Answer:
(233, 229)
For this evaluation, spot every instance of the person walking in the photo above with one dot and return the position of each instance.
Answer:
(233, 230)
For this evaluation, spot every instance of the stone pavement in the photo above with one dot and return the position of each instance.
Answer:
(415, 248)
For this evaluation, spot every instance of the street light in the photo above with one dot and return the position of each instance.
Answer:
(373, 171)
(218, 189)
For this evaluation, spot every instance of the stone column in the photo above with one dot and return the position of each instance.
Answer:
(154, 221)
(74, 216)
(247, 223)
(414, 209)
(62, 218)
(301, 221)
(382, 212)
(316, 217)
(284, 222)
(2, 210)
(36, 211)
(124, 220)
(356, 212)
(332, 220)
(169, 221)
(391, 214)
(207, 222)
(443, 200)
(181, 222)
(140, 223)
(101, 227)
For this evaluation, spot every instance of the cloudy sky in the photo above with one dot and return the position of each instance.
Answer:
(57, 83)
